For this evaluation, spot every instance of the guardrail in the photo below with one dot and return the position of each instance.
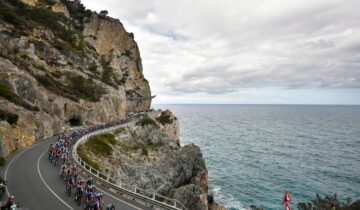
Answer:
(151, 198)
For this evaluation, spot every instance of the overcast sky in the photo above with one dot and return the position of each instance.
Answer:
(246, 51)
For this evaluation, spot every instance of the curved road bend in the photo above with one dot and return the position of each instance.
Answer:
(36, 183)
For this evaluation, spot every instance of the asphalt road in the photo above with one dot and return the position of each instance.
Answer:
(36, 183)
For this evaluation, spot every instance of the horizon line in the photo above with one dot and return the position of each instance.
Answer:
(255, 104)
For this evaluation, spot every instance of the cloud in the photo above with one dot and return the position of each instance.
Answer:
(213, 47)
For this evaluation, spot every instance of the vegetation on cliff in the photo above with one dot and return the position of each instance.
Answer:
(165, 118)
(100, 144)
(26, 18)
(146, 120)
(83, 154)
(146, 156)
(327, 202)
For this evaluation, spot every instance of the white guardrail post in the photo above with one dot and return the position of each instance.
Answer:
(147, 197)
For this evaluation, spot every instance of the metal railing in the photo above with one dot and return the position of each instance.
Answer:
(151, 198)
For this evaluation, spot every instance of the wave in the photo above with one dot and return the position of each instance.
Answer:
(227, 200)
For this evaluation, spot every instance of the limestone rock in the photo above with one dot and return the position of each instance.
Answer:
(24, 58)
(113, 42)
(147, 157)
(61, 8)
(30, 2)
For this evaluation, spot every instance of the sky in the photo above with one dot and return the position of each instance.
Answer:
(245, 52)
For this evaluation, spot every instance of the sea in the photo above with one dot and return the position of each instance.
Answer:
(255, 152)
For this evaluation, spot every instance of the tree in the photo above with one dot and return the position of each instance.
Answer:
(103, 13)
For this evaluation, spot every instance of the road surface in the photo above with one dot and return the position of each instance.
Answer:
(36, 183)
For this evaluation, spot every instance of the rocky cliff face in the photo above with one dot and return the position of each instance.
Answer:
(110, 39)
(148, 156)
(63, 65)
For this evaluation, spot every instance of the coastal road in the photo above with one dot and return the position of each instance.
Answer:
(36, 183)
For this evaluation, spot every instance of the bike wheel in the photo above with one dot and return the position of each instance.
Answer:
(79, 201)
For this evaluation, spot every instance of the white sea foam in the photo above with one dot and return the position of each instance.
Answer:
(226, 200)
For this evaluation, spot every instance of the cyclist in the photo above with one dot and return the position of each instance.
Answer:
(9, 204)
(95, 205)
(69, 184)
(110, 207)
(89, 182)
(88, 197)
(79, 190)
(64, 158)
(63, 170)
(99, 198)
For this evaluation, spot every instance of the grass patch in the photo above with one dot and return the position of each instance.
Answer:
(144, 146)
(100, 144)
(165, 118)
(41, 68)
(9, 117)
(12, 97)
(146, 120)
(119, 131)
(56, 74)
(81, 150)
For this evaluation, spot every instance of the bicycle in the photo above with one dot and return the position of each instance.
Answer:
(78, 196)
(68, 190)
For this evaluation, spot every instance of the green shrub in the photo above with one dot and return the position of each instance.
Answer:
(2, 162)
(61, 45)
(119, 130)
(146, 120)
(24, 56)
(132, 93)
(93, 67)
(144, 149)
(41, 68)
(107, 75)
(164, 118)
(12, 97)
(56, 74)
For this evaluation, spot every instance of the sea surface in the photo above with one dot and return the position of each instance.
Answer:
(256, 152)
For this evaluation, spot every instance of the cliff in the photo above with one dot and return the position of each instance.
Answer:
(149, 156)
(62, 65)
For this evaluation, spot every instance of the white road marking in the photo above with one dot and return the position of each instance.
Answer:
(38, 168)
